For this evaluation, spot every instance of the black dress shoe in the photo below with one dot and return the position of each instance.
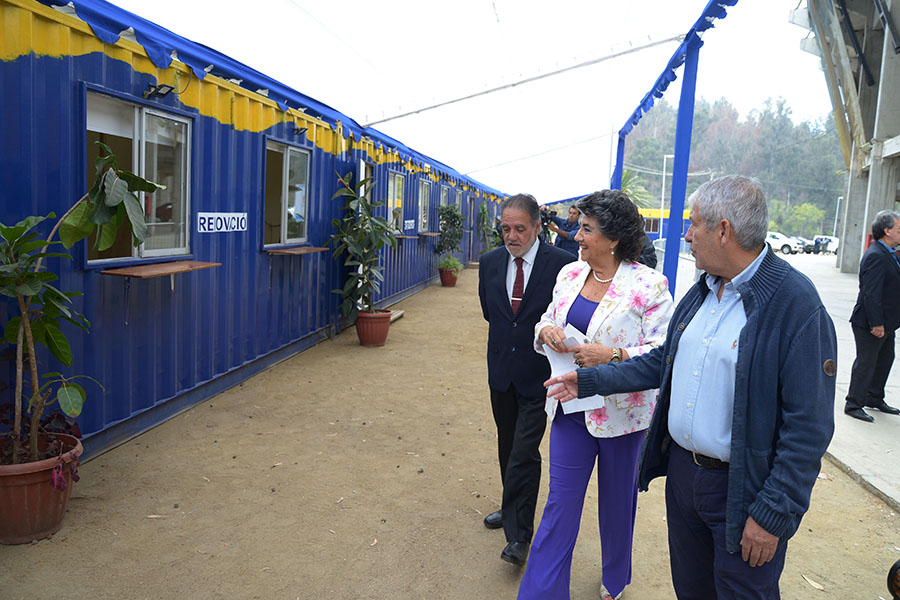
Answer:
(494, 520)
(886, 408)
(858, 413)
(515, 553)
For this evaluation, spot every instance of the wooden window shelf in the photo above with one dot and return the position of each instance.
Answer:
(429, 234)
(297, 250)
(161, 269)
(406, 237)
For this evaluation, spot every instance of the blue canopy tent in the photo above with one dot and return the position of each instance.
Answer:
(686, 54)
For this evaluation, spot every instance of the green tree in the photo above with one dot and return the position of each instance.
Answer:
(633, 185)
(805, 220)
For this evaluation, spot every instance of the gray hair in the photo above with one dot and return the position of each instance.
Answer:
(524, 202)
(883, 220)
(740, 201)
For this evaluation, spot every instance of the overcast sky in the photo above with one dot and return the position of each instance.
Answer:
(551, 138)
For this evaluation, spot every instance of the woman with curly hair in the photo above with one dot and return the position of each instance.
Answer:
(623, 309)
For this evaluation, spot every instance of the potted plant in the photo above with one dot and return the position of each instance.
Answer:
(487, 230)
(449, 267)
(360, 234)
(36, 476)
(451, 229)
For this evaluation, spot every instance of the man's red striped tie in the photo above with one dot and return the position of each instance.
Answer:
(518, 286)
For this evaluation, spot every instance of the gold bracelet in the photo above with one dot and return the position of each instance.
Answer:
(616, 356)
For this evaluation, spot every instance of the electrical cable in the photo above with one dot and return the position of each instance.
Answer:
(677, 38)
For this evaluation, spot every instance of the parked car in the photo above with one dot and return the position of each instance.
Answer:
(808, 245)
(784, 244)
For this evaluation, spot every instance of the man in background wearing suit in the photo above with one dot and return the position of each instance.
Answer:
(515, 285)
(874, 319)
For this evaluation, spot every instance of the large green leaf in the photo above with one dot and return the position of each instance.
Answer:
(58, 344)
(11, 331)
(109, 231)
(115, 188)
(71, 398)
(103, 163)
(136, 217)
(39, 332)
(139, 184)
(77, 225)
(29, 288)
(11, 234)
(102, 212)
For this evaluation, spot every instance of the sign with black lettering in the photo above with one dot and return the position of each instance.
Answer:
(221, 222)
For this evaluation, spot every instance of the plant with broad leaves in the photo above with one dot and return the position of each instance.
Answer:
(487, 232)
(43, 308)
(451, 223)
(360, 234)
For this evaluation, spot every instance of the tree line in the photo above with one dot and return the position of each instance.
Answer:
(799, 165)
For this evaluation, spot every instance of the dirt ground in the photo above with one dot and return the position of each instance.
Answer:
(355, 473)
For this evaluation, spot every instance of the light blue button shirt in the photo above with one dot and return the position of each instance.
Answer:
(702, 398)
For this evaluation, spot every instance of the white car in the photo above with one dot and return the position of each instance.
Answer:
(784, 244)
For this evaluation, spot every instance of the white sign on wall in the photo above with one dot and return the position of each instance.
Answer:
(221, 222)
(409, 224)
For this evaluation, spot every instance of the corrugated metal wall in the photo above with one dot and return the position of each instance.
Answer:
(159, 345)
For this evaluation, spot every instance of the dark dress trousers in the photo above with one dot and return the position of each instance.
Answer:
(516, 374)
(878, 303)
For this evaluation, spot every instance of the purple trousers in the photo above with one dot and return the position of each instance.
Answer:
(573, 451)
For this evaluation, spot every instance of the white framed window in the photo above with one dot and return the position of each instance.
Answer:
(459, 200)
(651, 225)
(424, 204)
(445, 195)
(286, 198)
(156, 146)
(395, 199)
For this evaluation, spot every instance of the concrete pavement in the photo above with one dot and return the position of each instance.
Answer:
(870, 452)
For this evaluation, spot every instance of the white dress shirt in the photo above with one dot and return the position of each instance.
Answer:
(527, 264)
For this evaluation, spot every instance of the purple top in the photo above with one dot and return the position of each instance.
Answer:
(580, 313)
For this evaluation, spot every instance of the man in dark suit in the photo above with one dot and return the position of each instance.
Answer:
(515, 284)
(874, 319)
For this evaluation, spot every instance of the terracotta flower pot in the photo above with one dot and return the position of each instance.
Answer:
(448, 277)
(30, 507)
(372, 328)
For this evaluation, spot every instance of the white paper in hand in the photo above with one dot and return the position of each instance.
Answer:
(564, 362)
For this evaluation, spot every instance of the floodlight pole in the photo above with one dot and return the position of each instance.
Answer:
(662, 197)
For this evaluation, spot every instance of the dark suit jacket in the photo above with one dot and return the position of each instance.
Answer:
(878, 302)
(511, 357)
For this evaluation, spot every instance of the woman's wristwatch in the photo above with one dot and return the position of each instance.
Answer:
(616, 356)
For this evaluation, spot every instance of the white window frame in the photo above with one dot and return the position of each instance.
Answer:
(186, 249)
(138, 157)
(445, 195)
(286, 150)
(424, 204)
(395, 200)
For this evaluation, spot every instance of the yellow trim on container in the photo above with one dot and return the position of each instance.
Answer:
(28, 27)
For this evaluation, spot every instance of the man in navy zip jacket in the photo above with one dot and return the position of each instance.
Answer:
(746, 408)
(515, 285)
(874, 319)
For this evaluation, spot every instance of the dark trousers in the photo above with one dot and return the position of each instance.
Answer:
(874, 357)
(520, 424)
(702, 568)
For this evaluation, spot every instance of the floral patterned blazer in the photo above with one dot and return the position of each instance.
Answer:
(634, 315)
